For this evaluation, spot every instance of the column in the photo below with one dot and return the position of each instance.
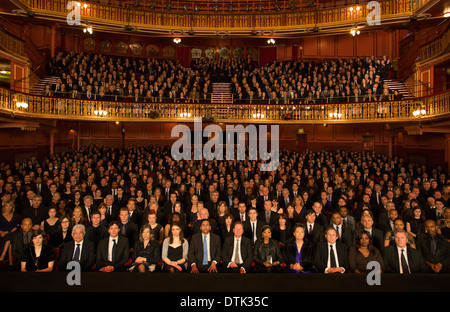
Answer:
(52, 142)
(52, 41)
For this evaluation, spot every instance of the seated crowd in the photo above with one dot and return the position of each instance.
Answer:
(115, 78)
(329, 81)
(119, 78)
(138, 210)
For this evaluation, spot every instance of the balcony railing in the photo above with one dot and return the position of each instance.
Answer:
(31, 106)
(218, 16)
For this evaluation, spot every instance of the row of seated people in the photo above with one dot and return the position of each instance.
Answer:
(107, 249)
(334, 81)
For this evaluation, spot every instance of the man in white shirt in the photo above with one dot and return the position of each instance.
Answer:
(237, 255)
(400, 258)
(331, 256)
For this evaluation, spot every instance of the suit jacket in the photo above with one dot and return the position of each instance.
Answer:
(195, 254)
(131, 232)
(282, 203)
(317, 234)
(272, 219)
(248, 230)
(346, 235)
(321, 256)
(87, 257)
(115, 209)
(121, 255)
(122, 202)
(322, 220)
(245, 252)
(392, 263)
(136, 218)
(442, 255)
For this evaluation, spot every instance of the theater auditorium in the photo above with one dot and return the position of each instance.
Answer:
(228, 147)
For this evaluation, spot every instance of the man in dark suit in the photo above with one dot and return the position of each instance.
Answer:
(121, 199)
(253, 226)
(112, 251)
(95, 232)
(434, 248)
(37, 212)
(260, 200)
(331, 255)
(88, 207)
(80, 250)
(402, 259)
(285, 199)
(204, 250)
(268, 216)
(345, 234)
(213, 203)
(135, 214)
(169, 206)
(321, 218)
(237, 255)
(112, 208)
(377, 235)
(314, 232)
(19, 241)
(128, 229)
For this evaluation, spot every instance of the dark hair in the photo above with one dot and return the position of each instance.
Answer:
(359, 236)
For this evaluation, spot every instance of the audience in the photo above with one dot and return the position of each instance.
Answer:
(370, 226)
(118, 78)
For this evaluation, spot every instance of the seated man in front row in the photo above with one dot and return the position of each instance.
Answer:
(204, 250)
(113, 251)
(237, 254)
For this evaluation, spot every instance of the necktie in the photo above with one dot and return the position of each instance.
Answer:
(404, 263)
(124, 230)
(433, 245)
(337, 229)
(332, 257)
(242, 218)
(236, 252)
(205, 251)
(113, 253)
(310, 229)
(76, 256)
(253, 232)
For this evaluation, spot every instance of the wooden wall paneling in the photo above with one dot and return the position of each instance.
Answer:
(345, 46)
(327, 46)
(310, 47)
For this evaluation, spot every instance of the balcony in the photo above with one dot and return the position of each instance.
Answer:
(211, 17)
(22, 105)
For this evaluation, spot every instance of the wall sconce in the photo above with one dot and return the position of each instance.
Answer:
(22, 105)
(88, 30)
(271, 41)
(100, 113)
(335, 115)
(418, 113)
(177, 40)
(258, 116)
(354, 32)
(185, 115)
